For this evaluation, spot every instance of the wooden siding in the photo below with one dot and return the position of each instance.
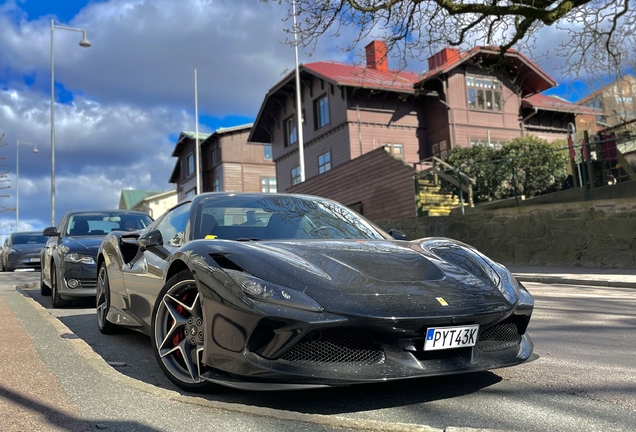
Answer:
(239, 177)
(312, 89)
(383, 185)
(240, 165)
(476, 123)
(235, 148)
(337, 142)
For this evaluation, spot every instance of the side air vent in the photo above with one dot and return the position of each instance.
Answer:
(225, 263)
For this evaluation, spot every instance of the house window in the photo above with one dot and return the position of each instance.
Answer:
(189, 165)
(435, 149)
(291, 133)
(321, 112)
(295, 175)
(395, 150)
(324, 162)
(190, 193)
(494, 144)
(216, 185)
(267, 151)
(268, 184)
(214, 155)
(483, 93)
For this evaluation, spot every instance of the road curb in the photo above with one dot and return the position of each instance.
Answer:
(574, 281)
(97, 363)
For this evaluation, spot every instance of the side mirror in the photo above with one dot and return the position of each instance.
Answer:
(398, 235)
(150, 239)
(51, 232)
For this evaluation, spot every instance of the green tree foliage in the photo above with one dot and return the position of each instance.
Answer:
(528, 164)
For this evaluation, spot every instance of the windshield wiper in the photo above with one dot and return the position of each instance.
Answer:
(244, 239)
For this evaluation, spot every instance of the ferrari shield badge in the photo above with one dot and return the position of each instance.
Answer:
(441, 301)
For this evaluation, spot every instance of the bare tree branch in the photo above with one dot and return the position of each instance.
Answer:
(589, 34)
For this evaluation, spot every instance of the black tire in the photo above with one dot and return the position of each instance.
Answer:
(58, 302)
(44, 289)
(102, 302)
(179, 365)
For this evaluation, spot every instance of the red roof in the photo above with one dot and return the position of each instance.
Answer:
(360, 76)
(551, 103)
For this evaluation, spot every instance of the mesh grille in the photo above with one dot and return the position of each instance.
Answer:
(499, 337)
(87, 283)
(350, 347)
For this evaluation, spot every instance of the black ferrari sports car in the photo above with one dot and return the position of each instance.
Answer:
(282, 291)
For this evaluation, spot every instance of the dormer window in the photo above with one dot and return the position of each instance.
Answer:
(483, 93)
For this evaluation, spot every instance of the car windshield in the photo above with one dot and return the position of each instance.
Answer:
(279, 217)
(89, 224)
(29, 239)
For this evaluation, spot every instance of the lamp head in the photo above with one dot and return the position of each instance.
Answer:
(35, 150)
(85, 43)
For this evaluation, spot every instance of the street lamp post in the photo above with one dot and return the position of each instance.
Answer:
(17, 175)
(83, 43)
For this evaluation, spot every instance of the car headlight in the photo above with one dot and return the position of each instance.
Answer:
(258, 289)
(12, 251)
(79, 258)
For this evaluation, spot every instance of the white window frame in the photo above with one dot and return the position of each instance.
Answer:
(484, 93)
(295, 175)
(324, 162)
(268, 184)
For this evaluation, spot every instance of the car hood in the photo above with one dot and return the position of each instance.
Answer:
(84, 244)
(377, 277)
(28, 248)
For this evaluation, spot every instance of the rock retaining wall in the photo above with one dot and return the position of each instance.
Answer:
(587, 234)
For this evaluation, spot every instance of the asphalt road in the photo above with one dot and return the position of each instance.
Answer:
(584, 378)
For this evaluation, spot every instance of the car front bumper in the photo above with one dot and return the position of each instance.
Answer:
(78, 280)
(24, 261)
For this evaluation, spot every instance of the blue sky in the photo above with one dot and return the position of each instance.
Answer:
(121, 103)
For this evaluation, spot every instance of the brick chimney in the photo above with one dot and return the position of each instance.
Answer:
(447, 55)
(376, 56)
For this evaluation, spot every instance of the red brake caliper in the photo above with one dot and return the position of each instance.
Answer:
(179, 336)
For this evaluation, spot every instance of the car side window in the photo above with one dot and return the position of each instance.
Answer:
(173, 225)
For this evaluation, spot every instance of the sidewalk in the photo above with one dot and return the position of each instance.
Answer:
(620, 278)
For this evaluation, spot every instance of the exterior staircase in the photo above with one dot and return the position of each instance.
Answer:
(432, 199)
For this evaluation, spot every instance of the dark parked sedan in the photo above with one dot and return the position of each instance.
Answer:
(68, 258)
(271, 291)
(22, 250)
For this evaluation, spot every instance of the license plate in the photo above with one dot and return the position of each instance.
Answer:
(34, 260)
(451, 337)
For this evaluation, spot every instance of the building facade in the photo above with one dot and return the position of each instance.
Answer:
(153, 203)
(616, 101)
(229, 163)
(480, 97)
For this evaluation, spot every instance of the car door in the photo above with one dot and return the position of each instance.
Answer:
(143, 276)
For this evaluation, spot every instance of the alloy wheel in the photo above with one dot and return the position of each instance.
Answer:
(58, 301)
(179, 335)
(103, 301)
